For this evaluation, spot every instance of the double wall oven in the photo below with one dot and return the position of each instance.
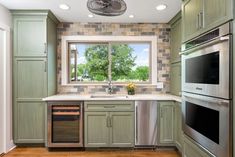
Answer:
(207, 90)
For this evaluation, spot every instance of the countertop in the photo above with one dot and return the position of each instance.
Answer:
(76, 97)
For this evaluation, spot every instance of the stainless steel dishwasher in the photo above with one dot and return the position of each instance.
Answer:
(145, 123)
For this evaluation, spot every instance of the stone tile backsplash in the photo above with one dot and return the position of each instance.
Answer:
(162, 31)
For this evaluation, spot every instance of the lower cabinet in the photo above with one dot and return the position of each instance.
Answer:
(166, 123)
(30, 120)
(192, 150)
(178, 133)
(107, 125)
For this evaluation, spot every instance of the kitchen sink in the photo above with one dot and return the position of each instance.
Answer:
(109, 96)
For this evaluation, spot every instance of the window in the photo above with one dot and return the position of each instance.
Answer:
(96, 59)
(120, 62)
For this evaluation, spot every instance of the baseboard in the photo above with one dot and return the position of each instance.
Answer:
(10, 146)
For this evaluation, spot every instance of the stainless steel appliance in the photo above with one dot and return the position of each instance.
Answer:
(65, 124)
(145, 123)
(207, 121)
(207, 62)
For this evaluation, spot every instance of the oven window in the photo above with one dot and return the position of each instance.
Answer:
(203, 69)
(203, 120)
(65, 124)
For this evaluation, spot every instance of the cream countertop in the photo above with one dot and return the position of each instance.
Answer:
(74, 97)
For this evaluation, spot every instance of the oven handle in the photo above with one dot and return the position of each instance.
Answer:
(212, 42)
(206, 99)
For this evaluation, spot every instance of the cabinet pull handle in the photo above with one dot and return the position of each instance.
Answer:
(45, 68)
(201, 20)
(107, 121)
(110, 122)
(45, 48)
(161, 113)
(109, 106)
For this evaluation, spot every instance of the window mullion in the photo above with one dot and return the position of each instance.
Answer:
(75, 68)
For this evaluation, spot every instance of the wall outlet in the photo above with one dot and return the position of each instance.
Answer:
(160, 85)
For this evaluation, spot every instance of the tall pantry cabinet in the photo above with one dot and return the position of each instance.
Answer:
(34, 72)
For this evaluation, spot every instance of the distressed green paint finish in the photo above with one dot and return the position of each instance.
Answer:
(96, 130)
(216, 12)
(213, 14)
(108, 125)
(30, 122)
(166, 123)
(178, 133)
(122, 129)
(30, 78)
(175, 79)
(109, 106)
(34, 72)
(176, 39)
(29, 36)
(192, 150)
(190, 13)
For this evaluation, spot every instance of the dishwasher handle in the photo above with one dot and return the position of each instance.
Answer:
(136, 124)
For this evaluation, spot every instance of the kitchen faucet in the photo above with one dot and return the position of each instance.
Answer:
(110, 87)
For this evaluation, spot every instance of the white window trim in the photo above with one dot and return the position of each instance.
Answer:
(67, 39)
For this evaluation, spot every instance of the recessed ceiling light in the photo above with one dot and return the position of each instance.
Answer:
(64, 7)
(90, 15)
(161, 7)
(131, 16)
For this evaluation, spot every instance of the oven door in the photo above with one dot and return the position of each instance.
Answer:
(207, 121)
(206, 69)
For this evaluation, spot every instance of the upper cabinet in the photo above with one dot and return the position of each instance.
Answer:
(30, 36)
(199, 16)
(176, 38)
(191, 10)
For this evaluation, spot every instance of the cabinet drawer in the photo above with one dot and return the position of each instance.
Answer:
(109, 106)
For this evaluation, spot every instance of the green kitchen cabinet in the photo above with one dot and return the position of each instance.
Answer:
(166, 123)
(191, 149)
(34, 72)
(176, 38)
(122, 129)
(96, 129)
(216, 12)
(191, 12)
(200, 16)
(175, 78)
(30, 119)
(30, 36)
(178, 133)
(107, 125)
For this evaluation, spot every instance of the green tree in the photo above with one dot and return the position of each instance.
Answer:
(97, 62)
(142, 73)
(122, 61)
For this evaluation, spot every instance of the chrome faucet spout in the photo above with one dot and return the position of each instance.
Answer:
(110, 87)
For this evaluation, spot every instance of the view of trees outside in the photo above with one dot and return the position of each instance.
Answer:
(129, 62)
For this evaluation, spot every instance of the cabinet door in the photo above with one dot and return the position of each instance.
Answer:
(29, 36)
(166, 135)
(96, 129)
(175, 78)
(216, 12)
(122, 129)
(176, 38)
(29, 118)
(30, 79)
(192, 150)
(178, 126)
(190, 18)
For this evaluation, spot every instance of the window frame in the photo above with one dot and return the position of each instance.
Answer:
(65, 56)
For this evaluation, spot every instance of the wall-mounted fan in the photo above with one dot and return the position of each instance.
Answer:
(107, 7)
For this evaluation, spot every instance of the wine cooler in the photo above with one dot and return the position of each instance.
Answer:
(65, 124)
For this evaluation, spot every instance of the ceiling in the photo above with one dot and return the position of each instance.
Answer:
(144, 11)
